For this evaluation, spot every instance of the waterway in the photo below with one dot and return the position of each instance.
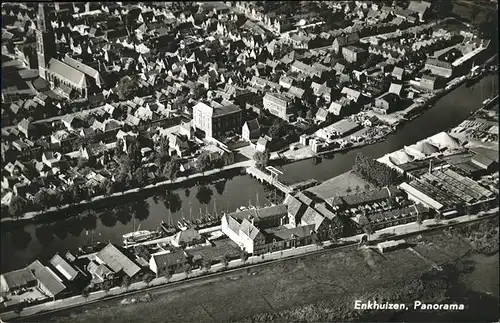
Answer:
(42, 240)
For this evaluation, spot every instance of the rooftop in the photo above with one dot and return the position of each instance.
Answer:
(47, 278)
(216, 111)
(117, 260)
(261, 214)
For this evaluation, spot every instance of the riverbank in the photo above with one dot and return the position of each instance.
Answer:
(301, 289)
(405, 116)
(35, 215)
(402, 231)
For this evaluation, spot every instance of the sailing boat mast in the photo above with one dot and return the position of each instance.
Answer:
(190, 212)
(492, 87)
(215, 206)
(481, 86)
(257, 200)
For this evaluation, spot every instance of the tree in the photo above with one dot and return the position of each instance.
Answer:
(167, 273)
(126, 282)
(147, 278)
(277, 129)
(141, 176)
(437, 217)
(86, 293)
(367, 187)
(16, 206)
(81, 162)
(311, 113)
(243, 256)
(135, 155)
(187, 269)
(333, 235)
(420, 220)
(183, 244)
(106, 286)
(42, 198)
(374, 172)
(316, 240)
(485, 207)
(171, 168)
(127, 87)
(76, 193)
(109, 188)
(261, 158)
(207, 263)
(162, 151)
(119, 147)
(203, 162)
(369, 230)
(372, 60)
(125, 167)
(219, 162)
(143, 252)
(225, 261)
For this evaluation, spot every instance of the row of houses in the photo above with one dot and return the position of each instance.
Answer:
(298, 221)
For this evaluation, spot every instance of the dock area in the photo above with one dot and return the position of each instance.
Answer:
(210, 230)
(164, 240)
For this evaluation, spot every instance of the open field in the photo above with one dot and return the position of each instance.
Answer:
(473, 11)
(339, 185)
(288, 288)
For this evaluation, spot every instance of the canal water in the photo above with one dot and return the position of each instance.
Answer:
(42, 240)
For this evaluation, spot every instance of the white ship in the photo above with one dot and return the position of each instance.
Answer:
(137, 236)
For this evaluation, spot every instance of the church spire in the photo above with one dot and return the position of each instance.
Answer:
(41, 19)
(45, 40)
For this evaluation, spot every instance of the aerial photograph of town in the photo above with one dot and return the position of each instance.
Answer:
(250, 161)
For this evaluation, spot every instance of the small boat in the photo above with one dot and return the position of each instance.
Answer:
(472, 80)
(84, 250)
(168, 229)
(487, 101)
(182, 226)
(138, 236)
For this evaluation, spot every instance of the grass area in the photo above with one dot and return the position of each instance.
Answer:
(451, 25)
(287, 291)
(473, 11)
(340, 185)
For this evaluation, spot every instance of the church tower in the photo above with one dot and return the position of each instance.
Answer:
(45, 42)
